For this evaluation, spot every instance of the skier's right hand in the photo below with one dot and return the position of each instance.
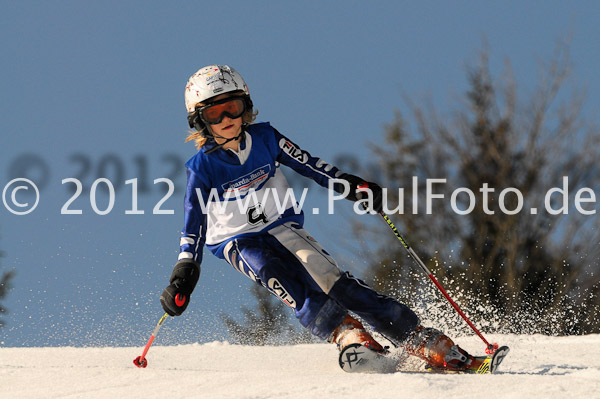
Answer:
(357, 191)
(176, 297)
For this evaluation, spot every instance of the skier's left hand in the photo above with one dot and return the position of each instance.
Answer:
(358, 191)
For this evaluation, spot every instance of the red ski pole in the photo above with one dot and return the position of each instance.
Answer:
(141, 361)
(490, 348)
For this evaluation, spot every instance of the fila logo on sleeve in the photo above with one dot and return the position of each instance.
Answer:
(289, 148)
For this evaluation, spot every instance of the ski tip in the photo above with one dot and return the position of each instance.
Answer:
(356, 358)
(498, 357)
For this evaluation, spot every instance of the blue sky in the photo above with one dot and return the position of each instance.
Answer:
(95, 89)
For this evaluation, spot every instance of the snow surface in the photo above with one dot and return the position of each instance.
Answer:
(537, 367)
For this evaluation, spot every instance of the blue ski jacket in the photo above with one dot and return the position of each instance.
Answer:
(231, 194)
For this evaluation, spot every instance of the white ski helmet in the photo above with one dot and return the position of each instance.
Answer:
(212, 81)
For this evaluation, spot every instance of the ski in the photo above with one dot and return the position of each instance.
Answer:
(356, 358)
(498, 357)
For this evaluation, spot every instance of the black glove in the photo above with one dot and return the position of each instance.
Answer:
(358, 187)
(176, 297)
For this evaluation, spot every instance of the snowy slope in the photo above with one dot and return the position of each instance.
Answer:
(538, 366)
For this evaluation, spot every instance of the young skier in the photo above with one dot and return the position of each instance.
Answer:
(239, 161)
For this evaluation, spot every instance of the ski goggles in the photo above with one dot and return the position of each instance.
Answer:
(213, 113)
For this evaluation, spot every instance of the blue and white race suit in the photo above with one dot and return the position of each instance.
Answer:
(239, 205)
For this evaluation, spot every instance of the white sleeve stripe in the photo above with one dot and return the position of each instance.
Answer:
(319, 172)
(198, 240)
(198, 243)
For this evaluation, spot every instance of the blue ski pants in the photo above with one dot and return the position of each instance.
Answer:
(296, 269)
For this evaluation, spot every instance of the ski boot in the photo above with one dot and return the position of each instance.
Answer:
(351, 331)
(440, 352)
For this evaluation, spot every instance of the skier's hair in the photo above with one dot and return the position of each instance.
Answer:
(199, 136)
